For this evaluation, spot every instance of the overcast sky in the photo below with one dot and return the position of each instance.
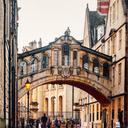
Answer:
(48, 19)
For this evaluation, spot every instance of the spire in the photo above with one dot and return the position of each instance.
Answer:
(87, 5)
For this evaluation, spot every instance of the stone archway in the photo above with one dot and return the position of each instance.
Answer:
(99, 92)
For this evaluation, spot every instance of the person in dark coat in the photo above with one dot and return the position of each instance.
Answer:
(37, 123)
(49, 123)
(44, 121)
(22, 123)
(56, 123)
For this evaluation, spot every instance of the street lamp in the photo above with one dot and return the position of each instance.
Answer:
(27, 85)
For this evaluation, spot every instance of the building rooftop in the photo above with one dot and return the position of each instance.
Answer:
(95, 20)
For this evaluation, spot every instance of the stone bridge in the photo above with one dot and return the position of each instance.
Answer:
(66, 61)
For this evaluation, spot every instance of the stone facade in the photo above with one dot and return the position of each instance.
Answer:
(49, 71)
(8, 53)
(52, 99)
(114, 43)
(111, 44)
(2, 58)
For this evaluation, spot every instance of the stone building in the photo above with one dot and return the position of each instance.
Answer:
(113, 41)
(105, 42)
(50, 68)
(2, 58)
(56, 100)
(8, 63)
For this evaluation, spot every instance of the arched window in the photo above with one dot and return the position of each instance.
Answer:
(45, 61)
(46, 106)
(60, 105)
(106, 70)
(65, 54)
(23, 68)
(85, 62)
(96, 66)
(34, 65)
(74, 58)
(53, 106)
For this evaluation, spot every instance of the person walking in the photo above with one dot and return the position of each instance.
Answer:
(44, 121)
(49, 123)
(37, 123)
(22, 123)
(59, 123)
(56, 123)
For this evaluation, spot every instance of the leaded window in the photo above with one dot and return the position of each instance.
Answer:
(96, 66)
(106, 70)
(34, 65)
(75, 58)
(65, 54)
(85, 62)
(23, 68)
(45, 61)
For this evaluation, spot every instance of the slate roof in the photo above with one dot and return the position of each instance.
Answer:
(102, 55)
(95, 19)
(34, 51)
(126, 3)
(125, 6)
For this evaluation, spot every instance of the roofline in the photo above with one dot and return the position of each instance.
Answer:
(38, 50)
(104, 56)
(77, 41)
(34, 51)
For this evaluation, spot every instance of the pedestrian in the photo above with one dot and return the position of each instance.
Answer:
(49, 123)
(56, 123)
(37, 123)
(59, 123)
(43, 121)
(22, 122)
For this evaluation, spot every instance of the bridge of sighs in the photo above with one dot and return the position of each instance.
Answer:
(66, 61)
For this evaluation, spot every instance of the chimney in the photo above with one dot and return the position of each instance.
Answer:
(40, 43)
(33, 45)
(102, 6)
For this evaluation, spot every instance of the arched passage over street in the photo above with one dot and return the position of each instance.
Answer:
(66, 61)
(99, 92)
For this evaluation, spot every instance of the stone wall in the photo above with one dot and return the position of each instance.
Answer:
(1, 58)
